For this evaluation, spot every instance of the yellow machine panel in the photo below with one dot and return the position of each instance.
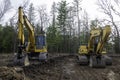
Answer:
(83, 49)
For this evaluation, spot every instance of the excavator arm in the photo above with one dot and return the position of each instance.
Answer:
(98, 38)
(94, 33)
(31, 44)
(20, 27)
(23, 21)
(103, 38)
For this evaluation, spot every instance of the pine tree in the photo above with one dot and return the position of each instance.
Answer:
(62, 16)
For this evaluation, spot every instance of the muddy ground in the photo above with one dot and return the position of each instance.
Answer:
(60, 68)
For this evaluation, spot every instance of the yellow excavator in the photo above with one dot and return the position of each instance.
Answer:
(35, 48)
(94, 53)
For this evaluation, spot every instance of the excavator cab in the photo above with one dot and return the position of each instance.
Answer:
(41, 45)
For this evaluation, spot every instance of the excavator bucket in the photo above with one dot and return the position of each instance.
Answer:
(21, 60)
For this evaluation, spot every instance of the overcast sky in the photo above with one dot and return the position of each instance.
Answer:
(89, 5)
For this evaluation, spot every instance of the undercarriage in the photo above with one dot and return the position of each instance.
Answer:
(26, 58)
(95, 60)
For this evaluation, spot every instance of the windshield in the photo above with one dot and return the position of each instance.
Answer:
(40, 41)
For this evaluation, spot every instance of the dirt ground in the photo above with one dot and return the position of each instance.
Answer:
(58, 68)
